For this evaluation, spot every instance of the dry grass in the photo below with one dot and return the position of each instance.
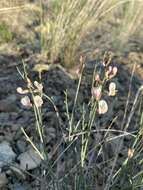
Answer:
(69, 22)
(62, 26)
(130, 18)
(73, 20)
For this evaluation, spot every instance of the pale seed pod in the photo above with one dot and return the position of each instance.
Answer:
(115, 70)
(21, 91)
(38, 101)
(25, 101)
(112, 89)
(102, 107)
(96, 92)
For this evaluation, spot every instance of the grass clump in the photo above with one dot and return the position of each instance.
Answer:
(5, 33)
(67, 23)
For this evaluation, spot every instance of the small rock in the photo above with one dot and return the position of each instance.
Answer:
(3, 180)
(12, 98)
(15, 127)
(6, 154)
(1, 138)
(18, 186)
(56, 99)
(18, 135)
(51, 133)
(4, 117)
(8, 104)
(71, 93)
(21, 146)
(9, 137)
(29, 160)
(19, 174)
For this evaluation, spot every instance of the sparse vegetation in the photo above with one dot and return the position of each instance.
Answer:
(75, 122)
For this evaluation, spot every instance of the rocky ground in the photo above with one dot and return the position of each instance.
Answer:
(20, 166)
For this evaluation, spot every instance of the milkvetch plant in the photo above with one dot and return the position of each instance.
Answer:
(97, 105)
(32, 97)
